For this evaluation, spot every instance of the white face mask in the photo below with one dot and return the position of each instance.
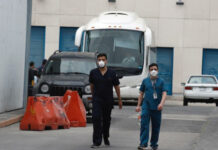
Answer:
(101, 64)
(154, 73)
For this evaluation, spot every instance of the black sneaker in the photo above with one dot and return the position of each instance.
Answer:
(95, 146)
(154, 148)
(142, 148)
(106, 142)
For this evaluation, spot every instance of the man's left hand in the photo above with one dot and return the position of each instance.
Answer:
(120, 103)
(160, 107)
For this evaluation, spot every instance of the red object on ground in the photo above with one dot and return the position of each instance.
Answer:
(74, 109)
(44, 113)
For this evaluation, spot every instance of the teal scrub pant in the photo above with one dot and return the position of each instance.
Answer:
(155, 117)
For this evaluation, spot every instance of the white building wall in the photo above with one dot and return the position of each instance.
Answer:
(188, 28)
(13, 16)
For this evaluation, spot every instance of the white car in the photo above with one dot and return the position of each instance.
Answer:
(202, 88)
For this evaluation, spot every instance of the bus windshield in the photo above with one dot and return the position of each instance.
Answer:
(124, 48)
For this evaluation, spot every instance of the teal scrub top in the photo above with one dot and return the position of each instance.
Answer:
(148, 89)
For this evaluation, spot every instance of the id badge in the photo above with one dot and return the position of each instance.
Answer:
(155, 95)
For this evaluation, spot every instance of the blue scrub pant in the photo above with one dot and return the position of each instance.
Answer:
(155, 117)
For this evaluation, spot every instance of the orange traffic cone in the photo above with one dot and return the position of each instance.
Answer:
(75, 109)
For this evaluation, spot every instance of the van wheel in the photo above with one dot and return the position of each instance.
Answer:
(185, 102)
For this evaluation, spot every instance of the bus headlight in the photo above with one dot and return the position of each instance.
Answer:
(87, 89)
(44, 88)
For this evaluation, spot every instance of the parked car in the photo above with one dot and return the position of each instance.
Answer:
(202, 88)
(68, 70)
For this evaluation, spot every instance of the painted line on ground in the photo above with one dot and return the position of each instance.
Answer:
(178, 117)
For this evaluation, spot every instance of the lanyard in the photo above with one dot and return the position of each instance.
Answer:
(155, 92)
(153, 84)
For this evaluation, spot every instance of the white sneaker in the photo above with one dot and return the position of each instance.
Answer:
(142, 148)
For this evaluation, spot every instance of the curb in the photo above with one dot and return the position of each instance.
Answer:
(10, 121)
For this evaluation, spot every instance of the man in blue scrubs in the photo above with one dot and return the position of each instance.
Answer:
(102, 80)
(154, 92)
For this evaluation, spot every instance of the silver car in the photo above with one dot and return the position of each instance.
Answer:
(202, 88)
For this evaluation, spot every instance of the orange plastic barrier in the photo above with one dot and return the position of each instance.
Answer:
(44, 113)
(75, 109)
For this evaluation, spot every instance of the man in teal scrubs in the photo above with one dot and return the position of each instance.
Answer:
(154, 92)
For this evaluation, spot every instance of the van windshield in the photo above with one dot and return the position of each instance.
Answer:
(69, 66)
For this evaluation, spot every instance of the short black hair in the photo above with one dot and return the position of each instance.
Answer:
(44, 61)
(31, 63)
(153, 64)
(102, 55)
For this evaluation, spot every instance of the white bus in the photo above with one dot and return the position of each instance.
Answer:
(126, 40)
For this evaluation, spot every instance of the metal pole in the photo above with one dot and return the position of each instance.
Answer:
(27, 50)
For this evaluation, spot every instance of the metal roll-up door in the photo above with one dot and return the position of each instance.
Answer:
(67, 38)
(210, 62)
(37, 45)
(165, 63)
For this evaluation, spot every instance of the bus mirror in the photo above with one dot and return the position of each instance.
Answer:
(78, 36)
(148, 37)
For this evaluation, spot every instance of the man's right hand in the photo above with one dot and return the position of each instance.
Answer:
(120, 104)
(138, 109)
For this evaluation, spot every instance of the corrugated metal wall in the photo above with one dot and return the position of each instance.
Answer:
(13, 16)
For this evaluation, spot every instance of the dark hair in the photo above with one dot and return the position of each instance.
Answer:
(153, 64)
(102, 55)
(31, 63)
(44, 61)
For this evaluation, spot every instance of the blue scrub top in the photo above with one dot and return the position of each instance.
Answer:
(146, 87)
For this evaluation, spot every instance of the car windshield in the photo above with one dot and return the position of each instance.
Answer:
(202, 80)
(124, 48)
(70, 66)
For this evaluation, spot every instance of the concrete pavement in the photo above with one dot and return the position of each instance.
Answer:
(183, 128)
(8, 118)
(11, 117)
(208, 139)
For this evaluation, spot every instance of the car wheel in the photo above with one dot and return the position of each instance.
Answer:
(185, 102)
(216, 104)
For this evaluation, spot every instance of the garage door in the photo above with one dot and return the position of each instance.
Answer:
(37, 45)
(210, 63)
(67, 37)
(165, 63)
